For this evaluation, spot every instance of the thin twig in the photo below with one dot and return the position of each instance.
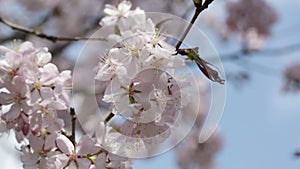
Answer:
(21, 35)
(43, 35)
(198, 10)
(73, 116)
(276, 51)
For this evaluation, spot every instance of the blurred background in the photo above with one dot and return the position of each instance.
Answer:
(258, 42)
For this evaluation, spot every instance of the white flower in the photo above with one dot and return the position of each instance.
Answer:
(114, 14)
(45, 129)
(75, 156)
(10, 65)
(140, 96)
(29, 158)
(34, 90)
(33, 160)
(16, 97)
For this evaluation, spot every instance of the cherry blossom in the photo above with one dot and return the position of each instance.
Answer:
(75, 157)
(114, 14)
(33, 91)
(120, 66)
(253, 26)
(141, 88)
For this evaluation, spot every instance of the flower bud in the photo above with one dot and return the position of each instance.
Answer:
(197, 2)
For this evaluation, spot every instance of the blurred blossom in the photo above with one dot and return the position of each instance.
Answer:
(292, 75)
(252, 19)
(175, 7)
(253, 40)
(192, 154)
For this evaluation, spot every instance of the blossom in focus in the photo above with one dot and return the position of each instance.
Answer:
(75, 157)
(33, 90)
(141, 85)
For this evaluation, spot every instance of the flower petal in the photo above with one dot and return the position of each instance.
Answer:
(64, 144)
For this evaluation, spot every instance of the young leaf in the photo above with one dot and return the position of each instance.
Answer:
(209, 70)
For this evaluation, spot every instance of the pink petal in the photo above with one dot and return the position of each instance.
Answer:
(83, 163)
(13, 112)
(36, 143)
(4, 98)
(64, 144)
(50, 141)
(49, 74)
(101, 161)
(57, 105)
(20, 85)
(43, 57)
(86, 146)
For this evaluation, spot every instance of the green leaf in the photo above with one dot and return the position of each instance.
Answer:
(209, 70)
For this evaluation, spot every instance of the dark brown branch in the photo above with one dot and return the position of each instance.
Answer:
(73, 117)
(109, 117)
(43, 35)
(198, 10)
(21, 35)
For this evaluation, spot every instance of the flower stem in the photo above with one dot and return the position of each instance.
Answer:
(198, 10)
(73, 116)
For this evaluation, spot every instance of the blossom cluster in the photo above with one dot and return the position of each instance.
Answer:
(145, 85)
(33, 94)
(292, 75)
(32, 91)
(139, 72)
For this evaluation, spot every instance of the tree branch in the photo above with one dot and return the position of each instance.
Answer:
(198, 10)
(109, 117)
(43, 35)
(277, 51)
(239, 55)
(20, 35)
(73, 116)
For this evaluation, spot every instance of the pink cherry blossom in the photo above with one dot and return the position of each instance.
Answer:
(75, 156)
(115, 13)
